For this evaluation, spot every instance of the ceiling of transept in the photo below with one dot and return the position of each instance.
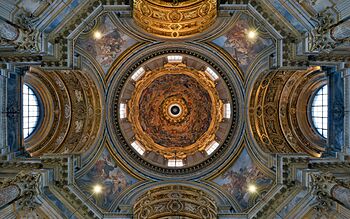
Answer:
(175, 105)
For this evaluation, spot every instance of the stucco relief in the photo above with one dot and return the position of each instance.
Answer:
(175, 19)
(175, 200)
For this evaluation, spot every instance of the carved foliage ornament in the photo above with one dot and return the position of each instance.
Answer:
(23, 39)
(329, 34)
(174, 19)
(27, 184)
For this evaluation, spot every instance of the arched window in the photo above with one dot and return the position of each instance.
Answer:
(319, 111)
(30, 111)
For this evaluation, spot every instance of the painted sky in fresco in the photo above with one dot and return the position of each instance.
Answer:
(236, 43)
(112, 178)
(109, 47)
(243, 172)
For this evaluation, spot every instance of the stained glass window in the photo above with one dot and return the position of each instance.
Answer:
(30, 111)
(319, 111)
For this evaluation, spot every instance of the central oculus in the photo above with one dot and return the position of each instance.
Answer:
(175, 111)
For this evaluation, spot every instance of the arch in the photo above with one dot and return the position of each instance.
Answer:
(278, 112)
(175, 200)
(72, 109)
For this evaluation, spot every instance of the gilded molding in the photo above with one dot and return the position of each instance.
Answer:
(174, 19)
(184, 151)
(71, 112)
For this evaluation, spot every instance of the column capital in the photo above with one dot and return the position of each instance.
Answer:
(323, 182)
(322, 185)
(28, 184)
(327, 189)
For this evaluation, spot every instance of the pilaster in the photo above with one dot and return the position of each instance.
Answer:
(346, 78)
(335, 111)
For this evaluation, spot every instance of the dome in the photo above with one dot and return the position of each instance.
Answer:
(175, 113)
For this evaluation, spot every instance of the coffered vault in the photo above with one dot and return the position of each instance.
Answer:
(175, 109)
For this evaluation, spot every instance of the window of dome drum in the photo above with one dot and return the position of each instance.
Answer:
(138, 74)
(30, 111)
(138, 147)
(211, 74)
(319, 111)
(175, 59)
(122, 110)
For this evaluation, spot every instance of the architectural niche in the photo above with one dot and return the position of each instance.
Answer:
(175, 201)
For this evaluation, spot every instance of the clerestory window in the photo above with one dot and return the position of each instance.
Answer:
(31, 111)
(319, 111)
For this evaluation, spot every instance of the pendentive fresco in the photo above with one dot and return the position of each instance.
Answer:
(175, 109)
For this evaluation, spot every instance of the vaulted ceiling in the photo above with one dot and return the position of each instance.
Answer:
(175, 108)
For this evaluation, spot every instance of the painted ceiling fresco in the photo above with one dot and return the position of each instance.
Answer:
(165, 132)
(90, 36)
(113, 42)
(242, 173)
(244, 50)
(112, 178)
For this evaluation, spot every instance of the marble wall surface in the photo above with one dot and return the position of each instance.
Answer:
(63, 210)
(335, 111)
(12, 112)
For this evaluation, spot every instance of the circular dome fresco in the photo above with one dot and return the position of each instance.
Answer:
(174, 113)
